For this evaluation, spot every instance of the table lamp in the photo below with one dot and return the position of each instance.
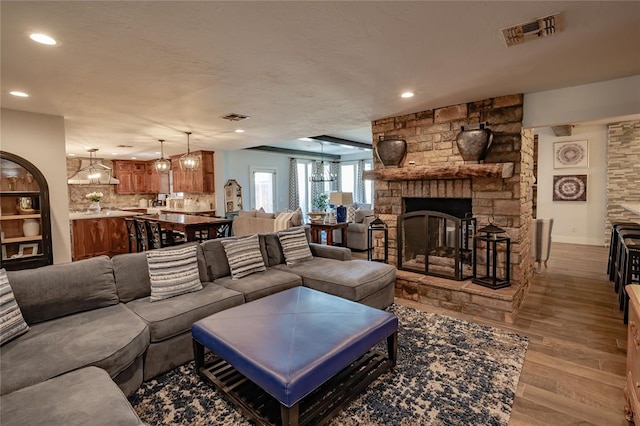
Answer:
(340, 200)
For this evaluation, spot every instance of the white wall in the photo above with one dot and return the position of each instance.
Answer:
(574, 222)
(588, 102)
(40, 139)
(236, 165)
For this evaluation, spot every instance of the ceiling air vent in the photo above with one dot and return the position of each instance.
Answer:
(541, 27)
(235, 117)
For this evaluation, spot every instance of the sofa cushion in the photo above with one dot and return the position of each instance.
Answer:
(110, 338)
(295, 245)
(353, 279)
(12, 323)
(132, 276)
(84, 397)
(173, 272)
(64, 289)
(168, 318)
(261, 284)
(263, 215)
(244, 255)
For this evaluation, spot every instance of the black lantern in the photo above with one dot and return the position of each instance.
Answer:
(492, 241)
(378, 226)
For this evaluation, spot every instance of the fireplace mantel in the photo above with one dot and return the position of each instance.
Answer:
(459, 171)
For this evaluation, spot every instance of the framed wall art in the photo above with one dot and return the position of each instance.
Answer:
(570, 154)
(570, 188)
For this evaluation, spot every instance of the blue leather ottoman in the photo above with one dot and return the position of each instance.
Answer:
(298, 346)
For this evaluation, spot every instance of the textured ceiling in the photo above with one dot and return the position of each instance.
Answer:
(135, 72)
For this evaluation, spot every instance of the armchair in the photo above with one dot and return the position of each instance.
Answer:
(357, 230)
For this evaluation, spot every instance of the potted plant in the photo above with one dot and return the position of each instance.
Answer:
(320, 202)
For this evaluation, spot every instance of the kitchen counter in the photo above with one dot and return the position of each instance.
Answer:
(632, 207)
(102, 214)
(188, 210)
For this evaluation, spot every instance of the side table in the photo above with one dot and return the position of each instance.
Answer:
(317, 227)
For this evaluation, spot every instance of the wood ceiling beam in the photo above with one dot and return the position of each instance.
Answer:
(340, 141)
(296, 152)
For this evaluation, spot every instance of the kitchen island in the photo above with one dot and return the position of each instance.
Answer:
(97, 234)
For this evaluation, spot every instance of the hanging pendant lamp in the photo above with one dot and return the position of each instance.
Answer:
(162, 164)
(189, 162)
(323, 172)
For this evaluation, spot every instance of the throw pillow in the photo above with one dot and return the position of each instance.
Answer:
(264, 215)
(173, 272)
(244, 256)
(296, 219)
(295, 245)
(12, 323)
(351, 213)
(282, 221)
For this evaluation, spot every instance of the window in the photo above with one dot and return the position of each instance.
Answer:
(348, 178)
(304, 188)
(368, 185)
(263, 188)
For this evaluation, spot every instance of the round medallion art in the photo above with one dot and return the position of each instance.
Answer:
(570, 188)
(570, 154)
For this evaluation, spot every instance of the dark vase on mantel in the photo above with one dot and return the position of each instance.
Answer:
(474, 144)
(391, 150)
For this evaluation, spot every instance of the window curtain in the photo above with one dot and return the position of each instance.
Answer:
(335, 170)
(294, 195)
(359, 195)
(317, 188)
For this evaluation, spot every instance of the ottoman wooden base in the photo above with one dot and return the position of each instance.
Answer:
(317, 408)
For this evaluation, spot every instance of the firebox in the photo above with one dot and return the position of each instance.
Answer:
(438, 243)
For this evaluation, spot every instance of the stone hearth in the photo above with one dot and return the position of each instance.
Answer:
(500, 190)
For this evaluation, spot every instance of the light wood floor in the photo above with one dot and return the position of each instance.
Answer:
(574, 371)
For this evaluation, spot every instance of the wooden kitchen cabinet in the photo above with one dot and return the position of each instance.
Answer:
(632, 388)
(123, 171)
(199, 181)
(139, 177)
(24, 215)
(98, 236)
(157, 183)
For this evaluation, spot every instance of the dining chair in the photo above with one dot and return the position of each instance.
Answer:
(159, 237)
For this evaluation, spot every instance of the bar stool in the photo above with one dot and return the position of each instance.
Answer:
(623, 235)
(629, 274)
(131, 232)
(141, 234)
(613, 244)
(159, 238)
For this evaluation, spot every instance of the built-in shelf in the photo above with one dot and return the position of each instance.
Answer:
(20, 216)
(460, 171)
(21, 239)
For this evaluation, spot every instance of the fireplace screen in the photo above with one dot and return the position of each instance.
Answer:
(435, 243)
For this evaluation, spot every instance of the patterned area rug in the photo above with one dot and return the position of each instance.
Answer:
(449, 372)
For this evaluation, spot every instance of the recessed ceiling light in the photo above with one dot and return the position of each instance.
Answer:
(157, 152)
(305, 139)
(71, 155)
(407, 95)
(134, 158)
(19, 94)
(239, 131)
(43, 39)
(114, 153)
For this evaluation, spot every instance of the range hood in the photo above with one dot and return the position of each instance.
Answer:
(92, 172)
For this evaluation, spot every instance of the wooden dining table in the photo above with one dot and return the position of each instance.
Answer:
(195, 228)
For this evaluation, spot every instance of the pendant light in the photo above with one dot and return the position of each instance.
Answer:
(162, 164)
(323, 172)
(189, 162)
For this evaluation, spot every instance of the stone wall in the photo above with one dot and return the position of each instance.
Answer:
(623, 172)
(506, 202)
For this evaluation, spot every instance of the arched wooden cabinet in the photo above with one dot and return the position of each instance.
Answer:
(25, 218)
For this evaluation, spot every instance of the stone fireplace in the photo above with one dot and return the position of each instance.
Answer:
(499, 190)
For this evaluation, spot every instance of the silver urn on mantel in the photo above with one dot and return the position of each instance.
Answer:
(473, 144)
(391, 150)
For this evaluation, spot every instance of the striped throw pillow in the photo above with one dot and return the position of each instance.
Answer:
(244, 255)
(12, 324)
(295, 245)
(173, 272)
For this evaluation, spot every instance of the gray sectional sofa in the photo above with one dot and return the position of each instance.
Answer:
(97, 313)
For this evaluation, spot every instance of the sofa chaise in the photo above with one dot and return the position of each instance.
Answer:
(97, 313)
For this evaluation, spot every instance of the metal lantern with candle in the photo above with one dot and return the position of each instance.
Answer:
(376, 228)
(493, 242)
